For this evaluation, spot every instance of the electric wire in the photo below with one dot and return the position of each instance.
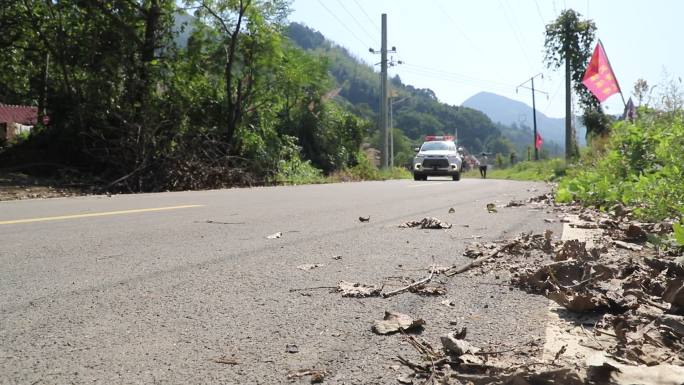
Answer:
(342, 23)
(370, 19)
(437, 71)
(455, 24)
(515, 34)
(456, 79)
(356, 21)
(539, 12)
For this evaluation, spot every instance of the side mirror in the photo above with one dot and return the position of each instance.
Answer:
(417, 149)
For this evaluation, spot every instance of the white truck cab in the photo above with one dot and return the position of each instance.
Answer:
(438, 156)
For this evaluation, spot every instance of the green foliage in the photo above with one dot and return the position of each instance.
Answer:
(571, 38)
(544, 170)
(229, 103)
(641, 167)
(679, 233)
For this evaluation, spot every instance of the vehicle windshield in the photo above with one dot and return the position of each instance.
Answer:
(445, 146)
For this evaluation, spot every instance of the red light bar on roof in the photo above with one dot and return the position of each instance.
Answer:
(430, 138)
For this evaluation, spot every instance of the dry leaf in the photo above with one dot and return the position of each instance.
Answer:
(394, 322)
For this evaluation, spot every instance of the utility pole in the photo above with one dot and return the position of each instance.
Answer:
(383, 93)
(569, 136)
(391, 123)
(534, 109)
(384, 132)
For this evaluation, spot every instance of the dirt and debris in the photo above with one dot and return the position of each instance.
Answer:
(452, 210)
(394, 322)
(427, 223)
(364, 219)
(275, 236)
(491, 208)
(309, 266)
(626, 279)
(428, 290)
(358, 290)
(16, 185)
(514, 204)
(317, 375)
(291, 348)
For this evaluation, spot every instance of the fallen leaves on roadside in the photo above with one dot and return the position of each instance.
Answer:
(428, 290)
(454, 343)
(364, 219)
(491, 208)
(275, 236)
(514, 204)
(452, 210)
(427, 223)
(358, 290)
(309, 266)
(394, 322)
(627, 245)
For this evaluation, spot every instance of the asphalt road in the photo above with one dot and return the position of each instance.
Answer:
(150, 288)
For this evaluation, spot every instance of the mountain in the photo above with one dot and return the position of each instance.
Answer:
(417, 112)
(514, 113)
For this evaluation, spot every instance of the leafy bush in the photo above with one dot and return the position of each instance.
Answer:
(641, 168)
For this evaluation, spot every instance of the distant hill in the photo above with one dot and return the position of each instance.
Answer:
(418, 111)
(514, 113)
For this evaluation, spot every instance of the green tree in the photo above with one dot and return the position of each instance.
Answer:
(568, 41)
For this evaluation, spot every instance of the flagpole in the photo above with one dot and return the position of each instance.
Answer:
(615, 77)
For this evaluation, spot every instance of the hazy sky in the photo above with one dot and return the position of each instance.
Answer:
(458, 48)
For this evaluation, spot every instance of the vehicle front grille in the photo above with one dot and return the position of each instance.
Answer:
(432, 163)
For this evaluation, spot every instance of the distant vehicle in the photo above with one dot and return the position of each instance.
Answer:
(438, 156)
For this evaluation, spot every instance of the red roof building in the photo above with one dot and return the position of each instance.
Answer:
(16, 119)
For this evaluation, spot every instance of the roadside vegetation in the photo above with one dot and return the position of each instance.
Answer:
(165, 95)
(638, 165)
(545, 170)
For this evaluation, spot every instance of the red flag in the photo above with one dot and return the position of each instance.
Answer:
(599, 77)
(538, 142)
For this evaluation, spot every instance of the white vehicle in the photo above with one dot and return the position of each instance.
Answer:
(438, 156)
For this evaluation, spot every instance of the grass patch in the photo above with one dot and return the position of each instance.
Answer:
(296, 172)
(543, 170)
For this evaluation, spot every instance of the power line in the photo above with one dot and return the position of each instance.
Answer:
(456, 79)
(553, 97)
(342, 23)
(539, 12)
(370, 19)
(356, 21)
(456, 25)
(515, 34)
(457, 75)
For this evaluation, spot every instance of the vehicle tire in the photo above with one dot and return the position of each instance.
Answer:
(456, 176)
(416, 177)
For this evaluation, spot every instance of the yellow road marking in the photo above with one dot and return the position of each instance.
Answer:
(102, 214)
(428, 184)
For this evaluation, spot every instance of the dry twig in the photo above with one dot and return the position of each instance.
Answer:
(458, 270)
(413, 285)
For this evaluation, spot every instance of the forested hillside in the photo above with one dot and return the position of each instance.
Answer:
(237, 104)
(420, 114)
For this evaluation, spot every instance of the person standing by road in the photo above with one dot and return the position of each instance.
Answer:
(484, 162)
